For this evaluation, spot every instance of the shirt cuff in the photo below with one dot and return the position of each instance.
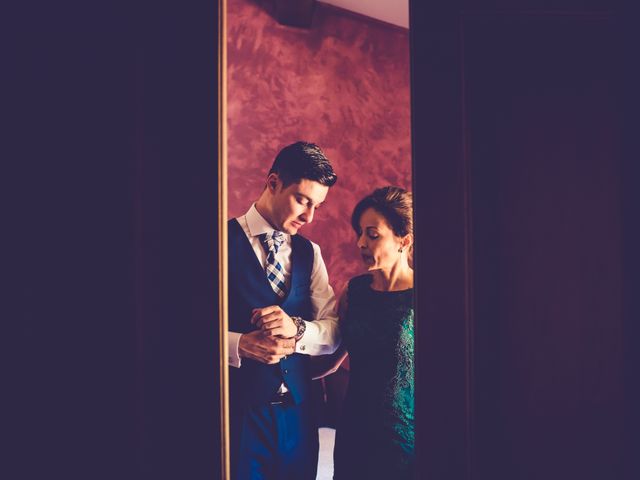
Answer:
(310, 333)
(232, 347)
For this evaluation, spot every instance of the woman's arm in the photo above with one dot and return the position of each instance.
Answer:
(323, 365)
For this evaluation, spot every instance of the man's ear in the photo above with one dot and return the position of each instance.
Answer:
(272, 182)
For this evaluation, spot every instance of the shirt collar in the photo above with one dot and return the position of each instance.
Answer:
(258, 225)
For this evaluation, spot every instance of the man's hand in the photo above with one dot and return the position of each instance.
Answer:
(262, 347)
(274, 321)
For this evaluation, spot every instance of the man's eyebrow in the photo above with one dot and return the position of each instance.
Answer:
(308, 198)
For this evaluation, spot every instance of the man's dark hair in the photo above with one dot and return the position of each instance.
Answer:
(303, 160)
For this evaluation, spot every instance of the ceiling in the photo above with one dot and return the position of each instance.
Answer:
(395, 12)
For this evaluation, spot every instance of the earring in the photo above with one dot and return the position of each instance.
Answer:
(400, 250)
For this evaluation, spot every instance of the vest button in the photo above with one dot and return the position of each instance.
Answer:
(285, 371)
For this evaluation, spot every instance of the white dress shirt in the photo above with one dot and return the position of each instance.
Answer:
(321, 336)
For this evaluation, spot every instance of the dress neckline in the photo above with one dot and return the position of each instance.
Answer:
(385, 291)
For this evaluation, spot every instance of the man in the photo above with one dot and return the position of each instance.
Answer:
(281, 310)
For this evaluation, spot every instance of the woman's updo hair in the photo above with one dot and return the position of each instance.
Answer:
(395, 204)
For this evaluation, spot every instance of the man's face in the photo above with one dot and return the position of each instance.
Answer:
(295, 205)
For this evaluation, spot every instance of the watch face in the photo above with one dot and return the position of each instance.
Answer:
(299, 322)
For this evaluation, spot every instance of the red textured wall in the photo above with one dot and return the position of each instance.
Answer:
(343, 84)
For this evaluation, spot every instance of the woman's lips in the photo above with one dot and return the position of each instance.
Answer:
(366, 258)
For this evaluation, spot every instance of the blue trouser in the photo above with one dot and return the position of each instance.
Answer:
(274, 442)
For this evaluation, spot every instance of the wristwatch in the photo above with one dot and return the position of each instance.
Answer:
(300, 325)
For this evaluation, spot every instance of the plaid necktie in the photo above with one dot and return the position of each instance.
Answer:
(271, 243)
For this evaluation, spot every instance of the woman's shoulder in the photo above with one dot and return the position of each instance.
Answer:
(359, 281)
(358, 288)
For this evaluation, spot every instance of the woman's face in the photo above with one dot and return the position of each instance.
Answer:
(379, 246)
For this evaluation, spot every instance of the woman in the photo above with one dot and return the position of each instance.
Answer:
(375, 438)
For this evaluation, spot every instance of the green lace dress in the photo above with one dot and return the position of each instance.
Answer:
(375, 437)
